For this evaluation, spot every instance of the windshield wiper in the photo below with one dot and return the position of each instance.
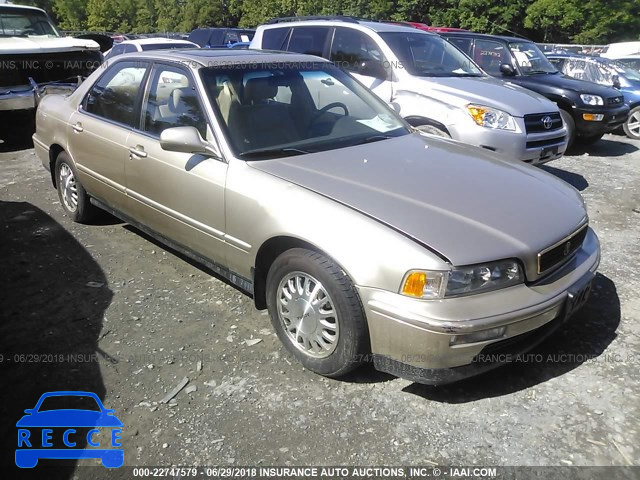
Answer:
(533, 72)
(372, 138)
(263, 152)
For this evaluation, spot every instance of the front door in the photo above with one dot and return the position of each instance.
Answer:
(179, 195)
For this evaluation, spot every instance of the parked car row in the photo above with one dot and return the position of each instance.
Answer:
(432, 83)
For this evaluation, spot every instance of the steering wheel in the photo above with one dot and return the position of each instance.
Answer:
(325, 109)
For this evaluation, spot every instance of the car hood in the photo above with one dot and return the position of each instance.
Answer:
(458, 200)
(564, 82)
(69, 418)
(43, 44)
(486, 90)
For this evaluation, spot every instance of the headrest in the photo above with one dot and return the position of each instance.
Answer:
(258, 89)
(175, 100)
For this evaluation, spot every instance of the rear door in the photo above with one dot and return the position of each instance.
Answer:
(179, 195)
(100, 127)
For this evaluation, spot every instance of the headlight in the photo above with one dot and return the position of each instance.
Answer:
(591, 99)
(462, 280)
(491, 117)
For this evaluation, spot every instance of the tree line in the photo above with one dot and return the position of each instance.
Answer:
(558, 21)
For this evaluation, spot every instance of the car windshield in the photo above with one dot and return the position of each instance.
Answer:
(624, 71)
(530, 59)
(428, 55)
(23, 22)
(285, 109)
(69, 402)
(162, 46)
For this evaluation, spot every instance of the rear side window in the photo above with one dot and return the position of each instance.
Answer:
(114, 96)
(309, 40)
(274, 38)
(490, 55)
(463, 44)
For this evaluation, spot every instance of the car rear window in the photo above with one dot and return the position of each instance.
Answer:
(162, 46)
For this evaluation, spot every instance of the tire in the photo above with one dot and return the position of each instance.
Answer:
(632, 125)
(337, 345)
(570, 125)
(433, 130)
(73, 197)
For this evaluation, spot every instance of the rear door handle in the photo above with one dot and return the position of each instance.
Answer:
(137, 151)
(78, 127)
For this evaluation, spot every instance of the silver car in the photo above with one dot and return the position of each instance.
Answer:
(364, 238)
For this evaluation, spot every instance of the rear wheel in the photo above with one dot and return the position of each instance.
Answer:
(570, 125)
(632, 125)
(73, 197)
(316, 312)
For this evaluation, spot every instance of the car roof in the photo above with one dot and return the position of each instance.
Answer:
(25, 7)
(203, 57)
(154, 40)
(366, 24)
(486, 36)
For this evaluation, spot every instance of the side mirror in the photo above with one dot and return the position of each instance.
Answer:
(616, 81)
(373, 68)
(507, 70)
(186, 140)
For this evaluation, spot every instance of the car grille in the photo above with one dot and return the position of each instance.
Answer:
(561, 251)
(545, 143)
(534, 123)
(615, 100)
(47, 67)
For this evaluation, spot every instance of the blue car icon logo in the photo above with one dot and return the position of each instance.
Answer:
(51, 430)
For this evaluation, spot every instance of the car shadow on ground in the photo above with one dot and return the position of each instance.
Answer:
(574, 179)
(605, 147)
(53, 300)
(584, 338)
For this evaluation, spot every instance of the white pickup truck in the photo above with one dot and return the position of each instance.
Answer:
(35, 58)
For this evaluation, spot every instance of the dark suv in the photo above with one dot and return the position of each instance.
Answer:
(221, 37)
(588, 110)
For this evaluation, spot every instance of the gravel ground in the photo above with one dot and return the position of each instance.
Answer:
(138, 318)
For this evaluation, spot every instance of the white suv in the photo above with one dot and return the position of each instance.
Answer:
(431, 83)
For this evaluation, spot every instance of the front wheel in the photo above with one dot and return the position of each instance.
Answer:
(632, 125)
(73, 197)
(316, 312)
(433, 130)
(570, 125)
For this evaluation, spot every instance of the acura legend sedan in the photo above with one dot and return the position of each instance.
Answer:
(365, 239)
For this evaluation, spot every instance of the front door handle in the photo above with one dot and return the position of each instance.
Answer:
(78, 127)
(137, 151)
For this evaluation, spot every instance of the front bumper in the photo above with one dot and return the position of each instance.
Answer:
(534, 148)
(26, 97)
(613, 118)
(414, 338)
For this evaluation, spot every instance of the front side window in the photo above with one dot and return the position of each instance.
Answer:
(172, 101)
(429, 55)
(309, 40)
(114, 96)
(270, 111)
(489, 55)
(530, 59)
(352, 49)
